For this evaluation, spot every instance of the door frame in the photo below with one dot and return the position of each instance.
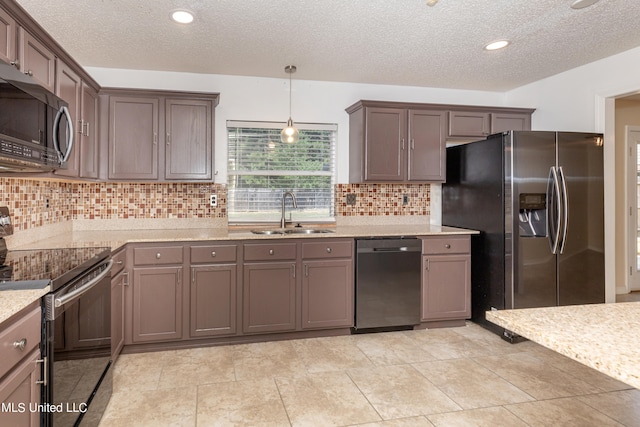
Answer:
(631, 226)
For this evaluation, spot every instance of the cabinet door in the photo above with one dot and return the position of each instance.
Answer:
(118, 283)
(385, 144)
(327, 294)
(36, 60)
(427, 135)
(269, 297)
(18, 391)
(89, 133)
(189, 142)
(133, 138)
(69, 88)
(157, 304)
(7, 37)
(501, 122)
(468, 124)
(213, 300)
(446, 287)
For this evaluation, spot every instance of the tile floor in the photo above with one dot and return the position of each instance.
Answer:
(462, 376)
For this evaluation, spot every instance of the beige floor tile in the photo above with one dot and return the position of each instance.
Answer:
(391, 349)
(240, 403)
(444, 343)
(324, 399)
(485, 417)
(400, 391)
(193, 374)
(330, 354)
(401, 422)
(267, 360)
(535, 377)
(152, 408)
(131, 377)
(567, 412)
(578, 370)
(622, 406)
(471, 385)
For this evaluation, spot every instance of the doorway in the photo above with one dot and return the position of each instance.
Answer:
(632, 143)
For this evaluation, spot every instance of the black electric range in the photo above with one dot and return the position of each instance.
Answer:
(37, 268)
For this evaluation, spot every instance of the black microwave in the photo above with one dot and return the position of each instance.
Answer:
(36, 130)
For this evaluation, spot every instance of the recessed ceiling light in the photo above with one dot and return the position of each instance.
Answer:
(497, 45)
(581, 4)
(182, 16)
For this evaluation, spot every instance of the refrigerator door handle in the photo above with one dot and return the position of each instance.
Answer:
(565, 209)
(553, 206)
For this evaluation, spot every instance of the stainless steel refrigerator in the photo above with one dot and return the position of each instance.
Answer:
(537, 199)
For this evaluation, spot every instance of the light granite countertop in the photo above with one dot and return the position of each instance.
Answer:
(604, 337)
(13, 301)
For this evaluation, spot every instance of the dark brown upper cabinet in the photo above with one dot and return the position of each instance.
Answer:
(156, 135)
(36, 60)
(405, 142)
(395, 144)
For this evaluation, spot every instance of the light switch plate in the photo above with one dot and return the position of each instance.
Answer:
(213, 200)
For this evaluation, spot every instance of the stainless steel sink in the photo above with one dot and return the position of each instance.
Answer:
(293, 231)
(307, 230)
(267, 232)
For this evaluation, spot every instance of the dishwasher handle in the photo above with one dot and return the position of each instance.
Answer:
(398, 249)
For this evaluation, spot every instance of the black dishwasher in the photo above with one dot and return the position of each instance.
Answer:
(387, 283)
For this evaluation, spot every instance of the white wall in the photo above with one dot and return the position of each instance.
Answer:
(582, 100)
(263, 99)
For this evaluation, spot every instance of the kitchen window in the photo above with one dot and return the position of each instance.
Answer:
(261, 168)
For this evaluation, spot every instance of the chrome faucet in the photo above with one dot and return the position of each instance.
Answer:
(283, 221)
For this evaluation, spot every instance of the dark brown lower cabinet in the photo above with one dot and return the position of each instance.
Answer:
(156, 304)
(20, 393)
(446, 278)
(327, 294)
(269, 297)
(213, 293)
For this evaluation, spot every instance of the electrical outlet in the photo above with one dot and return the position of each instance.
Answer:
(351, 199)
(213, 200)
(405, 199)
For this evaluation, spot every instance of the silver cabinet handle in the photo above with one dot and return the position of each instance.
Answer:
(29, 73)
(213, 254)
(120, 262)
(168, 138)
(428, 264)
(20, 345)
(271, 252)
(87, 131)
(193, 275)
(155, 138)
(447, 246)
(328, 250)
(158, 255)
(306, 270)
(80, 126)
(294, 270)
(125, 277)
(45, 369)
(413, 144)
(402, 143)
(15, 63)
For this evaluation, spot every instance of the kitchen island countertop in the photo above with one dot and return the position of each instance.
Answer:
(604, 337)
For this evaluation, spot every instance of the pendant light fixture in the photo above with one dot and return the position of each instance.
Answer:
(290, 134)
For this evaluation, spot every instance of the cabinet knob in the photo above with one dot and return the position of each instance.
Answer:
(120, 262)
(20, 345)
(15, 63)
(271, 252)
(158, 255)
(29, 73)
(448, 246)
(213, 254)
(328, 250)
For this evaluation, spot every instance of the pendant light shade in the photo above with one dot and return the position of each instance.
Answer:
(290, 134)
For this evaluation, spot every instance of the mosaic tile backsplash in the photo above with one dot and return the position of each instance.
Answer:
(35, 202)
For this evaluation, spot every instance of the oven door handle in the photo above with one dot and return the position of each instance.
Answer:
(58, 302)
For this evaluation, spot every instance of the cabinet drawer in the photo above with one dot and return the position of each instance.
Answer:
(157, 255)
(330, 249)
(269, 251)
(446, 245)
(119, 259)
(28, 329)
(213, 253)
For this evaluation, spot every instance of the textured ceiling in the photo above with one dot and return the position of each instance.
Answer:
(398, 42)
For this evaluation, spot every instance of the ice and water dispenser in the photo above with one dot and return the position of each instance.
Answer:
(532, 210)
